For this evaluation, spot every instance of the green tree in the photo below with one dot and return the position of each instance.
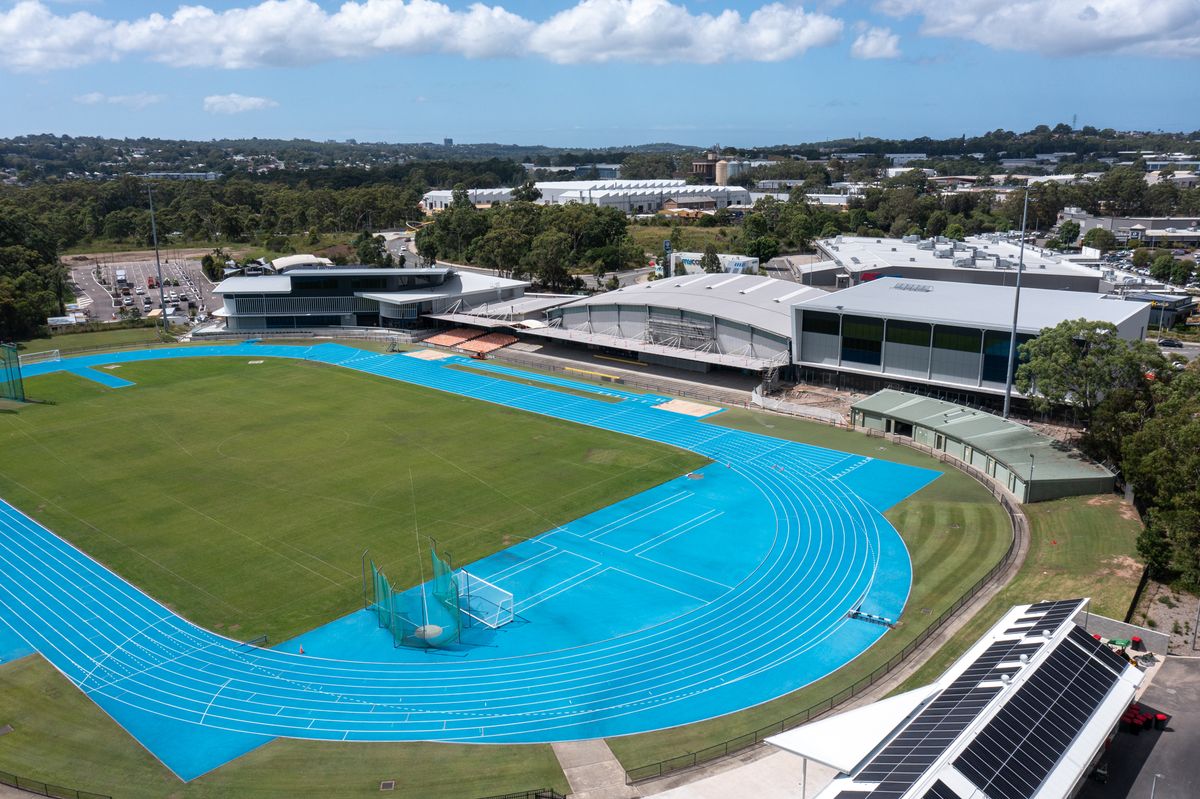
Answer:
(1068, 232)
(1100, 238)
(764, 248)
(527, 192)
(955, 232)
(1079, 362)
(548, 260)
(1163, 267)
(711, 261)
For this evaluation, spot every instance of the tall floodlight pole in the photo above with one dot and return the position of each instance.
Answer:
(162, 297)
(1012, 339)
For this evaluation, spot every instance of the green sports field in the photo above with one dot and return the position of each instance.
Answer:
(244, 495)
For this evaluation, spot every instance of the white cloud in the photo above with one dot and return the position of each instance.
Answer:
(658, 31)
(1062, 27)
(135, 102)
(299, 32)
(236, 103)
(876, 43)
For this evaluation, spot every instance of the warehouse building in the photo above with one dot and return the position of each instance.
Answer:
(893, 331)
(1030, 466)
(694, 322)
(990, 259)
(628, 196)
(356, 296)
(1026, 713)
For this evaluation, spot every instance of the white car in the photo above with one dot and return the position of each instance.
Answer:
(140, 290)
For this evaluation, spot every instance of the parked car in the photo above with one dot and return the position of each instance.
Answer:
(140, 290)
(1170, 342)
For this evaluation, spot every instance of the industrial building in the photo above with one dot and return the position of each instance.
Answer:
(893, 331)
(733, 264)
(1154, 231)
(1026, 713)
(693, 322)
(1030, 466)
(989, 259)
(355, 296)
(628, 196)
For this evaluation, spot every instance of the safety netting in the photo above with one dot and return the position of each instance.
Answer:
(12, 387)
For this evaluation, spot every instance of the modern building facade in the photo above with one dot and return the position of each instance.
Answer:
(693, 322)
(951, 335)
(355, 297)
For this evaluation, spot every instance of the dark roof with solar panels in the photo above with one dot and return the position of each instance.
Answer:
(1022, 715)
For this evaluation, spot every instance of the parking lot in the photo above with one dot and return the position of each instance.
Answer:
(96, 280)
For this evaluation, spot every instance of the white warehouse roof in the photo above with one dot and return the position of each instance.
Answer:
(866, 253)
(761, 302)
(972, 304)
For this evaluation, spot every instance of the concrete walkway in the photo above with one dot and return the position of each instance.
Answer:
(592, 770)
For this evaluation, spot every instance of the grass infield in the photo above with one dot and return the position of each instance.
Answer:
(244, 495)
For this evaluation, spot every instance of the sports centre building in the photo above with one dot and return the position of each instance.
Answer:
(893, 331)
(355, 297)
(990, 259)
(693, 322)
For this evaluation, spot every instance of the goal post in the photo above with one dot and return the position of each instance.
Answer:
(485, 602)
(47, 356)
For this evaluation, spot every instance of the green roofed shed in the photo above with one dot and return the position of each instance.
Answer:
(1030, 465)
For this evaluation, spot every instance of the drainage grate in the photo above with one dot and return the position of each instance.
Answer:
(387, 785)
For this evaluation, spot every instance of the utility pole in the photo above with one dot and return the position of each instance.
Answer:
(1012, 339)
(162, 297)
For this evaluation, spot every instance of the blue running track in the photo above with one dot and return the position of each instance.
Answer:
(736, 593)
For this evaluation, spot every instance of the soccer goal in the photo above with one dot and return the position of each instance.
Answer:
(40, 357)
(486, 603)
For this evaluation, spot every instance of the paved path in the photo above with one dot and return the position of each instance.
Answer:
(592, 770)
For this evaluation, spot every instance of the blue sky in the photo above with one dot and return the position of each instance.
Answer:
(594, 72)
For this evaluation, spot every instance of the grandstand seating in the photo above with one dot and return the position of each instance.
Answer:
(489, 343)
(453, 338)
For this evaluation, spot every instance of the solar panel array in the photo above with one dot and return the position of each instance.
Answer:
(910, 754)
(1017, 749)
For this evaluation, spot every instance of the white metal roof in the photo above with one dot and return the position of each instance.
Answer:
(868, 254)
(761, 302)
(262, 284)
(994, 672)
(458, 284)
(289, 261)
(972, 304)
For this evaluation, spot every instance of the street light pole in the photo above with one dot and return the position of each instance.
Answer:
(1012, 339)
(1154, 784)
(162, 297)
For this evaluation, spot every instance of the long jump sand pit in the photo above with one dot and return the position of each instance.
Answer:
(687, 408)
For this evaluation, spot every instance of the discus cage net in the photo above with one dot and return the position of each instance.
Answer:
(12, 387)
(435, 613)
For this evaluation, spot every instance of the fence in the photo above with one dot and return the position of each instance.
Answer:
(733, 745)
(792, 409)
(46, 789)
(536, 793)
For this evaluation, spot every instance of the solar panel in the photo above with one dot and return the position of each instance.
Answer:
(940, 791)
(1015, 752)
(908, 755)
